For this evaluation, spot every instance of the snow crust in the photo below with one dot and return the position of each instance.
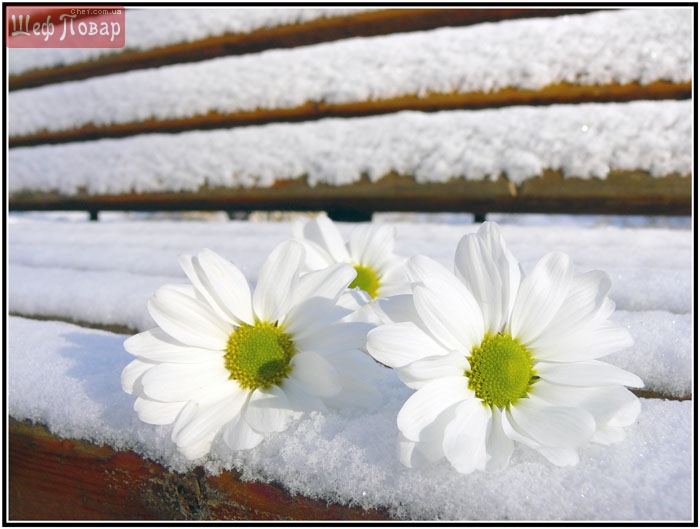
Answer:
(148, 28)
(586, 140)
(67, 377)
(104, 273)
(620, 46)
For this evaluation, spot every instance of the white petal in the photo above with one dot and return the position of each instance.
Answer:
(562, 457)
(398, 344)
(540, 295)
(425, 270)
(132, 374)
(477, 269)
(464, 443)
(228, 286)
(447, 308)
(609, 405)
(156, 345)
(499, 446)
(154, 412)
(269, 411)
(357, 364)
(181, 382)
(323, 232)
(394, 280)
(417, 374)
(606, 309)
(453, 319)
(357, 376)
(198, 449)
(553, 426)
(418, 455)
(210, 419)
(239, 436)
(358, 241)
(594, 340)
(185, 290)
(353, 299)
(188, 320)
(277, 280)
(608, 435)
(355, 393)
(328, 283)
(188, 413)
(514, 432)
(372, 246)
(626, 412)
(334, 338)
(315, 257)
(397, 309)
(311, 316)
(590, 373)
(509, 269)
(300, 399)
(315, 374)
(451, 296)
(585, 297)
(425, 405)
(204, 290)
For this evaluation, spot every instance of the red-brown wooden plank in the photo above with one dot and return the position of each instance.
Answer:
(622, 193)
(61, 479)
(314, 110)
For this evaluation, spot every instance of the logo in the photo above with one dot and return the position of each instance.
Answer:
(52, 26)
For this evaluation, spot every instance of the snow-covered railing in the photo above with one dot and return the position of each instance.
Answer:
(583, 124)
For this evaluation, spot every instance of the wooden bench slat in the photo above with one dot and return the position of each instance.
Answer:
(371, 23)
(463, 67)
(563, 93)
(61, 479)
(622, 192)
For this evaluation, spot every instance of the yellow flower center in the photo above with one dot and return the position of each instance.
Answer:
(259, 355)
(501, 370)
(367, 280)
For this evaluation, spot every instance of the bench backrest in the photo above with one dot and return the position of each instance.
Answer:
(356, 111)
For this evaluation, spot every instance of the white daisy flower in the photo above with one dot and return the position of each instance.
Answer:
(498, 358)
(227, 361)
(370, 250)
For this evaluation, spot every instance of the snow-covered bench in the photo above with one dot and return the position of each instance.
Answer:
(337, 126)
(586, 113)
(102, 462)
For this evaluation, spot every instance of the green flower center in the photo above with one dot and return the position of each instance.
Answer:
(366, 279)
(259, 355)
(501, 370)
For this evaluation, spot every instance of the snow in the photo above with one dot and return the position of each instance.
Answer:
(154, 28)
(103, 273)
(150, 248)
(611, 46)
(68, 377)
(518, 141)
(663, 350)
(60, 267)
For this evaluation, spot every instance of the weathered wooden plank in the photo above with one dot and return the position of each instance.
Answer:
(622, 192)
(314, 110)
(363, 24)
(60, 479)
